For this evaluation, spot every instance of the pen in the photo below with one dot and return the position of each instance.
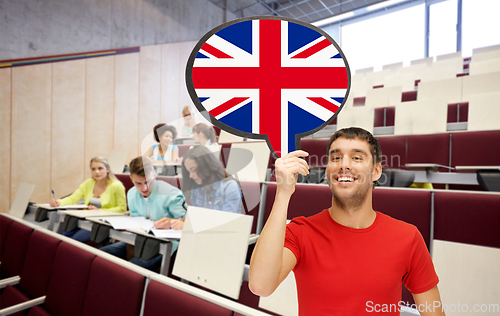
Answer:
(53, 195)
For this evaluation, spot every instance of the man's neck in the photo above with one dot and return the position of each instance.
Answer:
(359, 217)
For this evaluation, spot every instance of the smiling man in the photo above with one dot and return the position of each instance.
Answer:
(348, 259)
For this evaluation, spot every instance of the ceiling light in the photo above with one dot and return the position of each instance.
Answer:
(334, 18)
(383, 4)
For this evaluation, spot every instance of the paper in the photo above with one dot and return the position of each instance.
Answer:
(65, 207)
(127, 222)
(167, 233)
(206, 220)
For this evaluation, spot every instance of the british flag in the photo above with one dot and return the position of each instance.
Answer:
(271, 77)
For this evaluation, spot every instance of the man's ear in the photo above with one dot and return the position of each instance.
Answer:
(377, 171)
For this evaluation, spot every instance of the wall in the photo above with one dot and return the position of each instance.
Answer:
(55, 117)
(53, 27)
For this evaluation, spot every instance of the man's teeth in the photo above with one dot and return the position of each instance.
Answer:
(345, 179)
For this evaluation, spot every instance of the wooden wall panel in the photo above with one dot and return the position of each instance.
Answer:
(68, 127)
(185, 50)
(31, 129)
(126, 103)
(149, 93)
(99, 108)
(5, 134)
(170, 83)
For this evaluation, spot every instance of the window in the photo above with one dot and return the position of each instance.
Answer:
(390, 38)
(443, 28)
(480, 24)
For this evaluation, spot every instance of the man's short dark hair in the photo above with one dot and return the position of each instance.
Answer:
(140, 165)
(360, 133)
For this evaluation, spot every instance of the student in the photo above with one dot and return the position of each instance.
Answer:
(102, 191)
(204, 134)
(348, 259)
(189, 122)
(165, 150)
(206, 184)
(153, 200)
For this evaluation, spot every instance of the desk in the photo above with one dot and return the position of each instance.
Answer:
(129, 235)
(55, 218)
(473, 169)
(160, 165)
(425, 166)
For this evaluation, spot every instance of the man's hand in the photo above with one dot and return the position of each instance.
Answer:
(287, 169)
(169, 223)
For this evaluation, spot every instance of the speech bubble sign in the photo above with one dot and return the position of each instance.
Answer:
(268, 77)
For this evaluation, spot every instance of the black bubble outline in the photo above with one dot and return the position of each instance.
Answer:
(232, 130)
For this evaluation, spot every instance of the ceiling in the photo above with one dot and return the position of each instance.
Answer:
(305, 10)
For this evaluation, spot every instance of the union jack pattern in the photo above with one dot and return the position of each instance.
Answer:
(272, 77)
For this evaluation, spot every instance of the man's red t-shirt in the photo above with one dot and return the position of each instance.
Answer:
(346, 271)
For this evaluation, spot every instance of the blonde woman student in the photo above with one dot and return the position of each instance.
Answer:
(102, 191)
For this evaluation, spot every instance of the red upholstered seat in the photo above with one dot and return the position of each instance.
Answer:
(183, 149)
(470, 218)
(475, 148)
(14, 251)
(127, 182)
(378, 118)
(308, 200)
(251, 200)
(411, 206)
(393, 151)
(409, 96)
(317, 151)
(12, 296)
(113, 290)
(68, 281)
(5, 223)
(249, 299)
(38, 265)
(429, 149)
(36, 271)
(162, 299)
(170, 180)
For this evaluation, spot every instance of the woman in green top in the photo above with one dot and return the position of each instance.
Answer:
(102, 191)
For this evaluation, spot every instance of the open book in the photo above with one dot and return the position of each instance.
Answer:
(65, 207)
(127, 222)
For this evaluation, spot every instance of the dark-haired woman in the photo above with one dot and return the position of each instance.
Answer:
(206, 184)
(165, 150)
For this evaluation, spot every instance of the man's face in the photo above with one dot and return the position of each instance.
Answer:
(350, 170)
(144, 186)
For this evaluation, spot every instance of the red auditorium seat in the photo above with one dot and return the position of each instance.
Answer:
(409, 96)
(393, 151)
(249, 299)
(300, 203)
(433, 148)
(170, 180)
(68, 282)
(14, 251)
(162, 299)
(251, 195)
(411, 206)
(183, 149)
(125, 179)
(5, 223)
(36, 271)
(113, 290)
(469, 218)
(475, 148)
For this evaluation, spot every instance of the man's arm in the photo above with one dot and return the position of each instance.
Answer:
(271, 262)
(429, 303)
